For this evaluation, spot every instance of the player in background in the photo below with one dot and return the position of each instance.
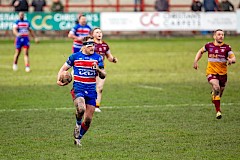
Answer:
(21, 29)
(103, 49)
(86, 65)
(78, 32)
(219, 56)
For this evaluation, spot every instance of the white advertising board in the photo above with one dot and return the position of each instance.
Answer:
(219, 20)
(238, 20)
(174, 21)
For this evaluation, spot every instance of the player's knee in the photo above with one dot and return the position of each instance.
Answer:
(100, 90)
(216, 91)
(80, 111)
(88, 121)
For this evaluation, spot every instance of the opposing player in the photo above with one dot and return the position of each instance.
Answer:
(86, 65)
(78, 32)
(219, 55)
(21, 29)
(103, 49)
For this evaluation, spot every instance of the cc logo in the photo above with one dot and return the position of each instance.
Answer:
(148, 19)
(43, 21)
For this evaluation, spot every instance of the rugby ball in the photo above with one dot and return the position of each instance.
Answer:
(66, 77)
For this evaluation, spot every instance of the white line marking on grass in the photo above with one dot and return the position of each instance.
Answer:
(149, 87)
(118, 107)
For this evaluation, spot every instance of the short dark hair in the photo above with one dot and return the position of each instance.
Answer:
(81, 15)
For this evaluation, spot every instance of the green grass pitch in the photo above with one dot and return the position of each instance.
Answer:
(155, 105)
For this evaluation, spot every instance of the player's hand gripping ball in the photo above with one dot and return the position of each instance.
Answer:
(65, 77)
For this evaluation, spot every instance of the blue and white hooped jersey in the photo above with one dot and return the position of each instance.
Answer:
(84, 74)
(22, 27)
(80, 31)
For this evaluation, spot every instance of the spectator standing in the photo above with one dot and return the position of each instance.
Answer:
(161, 5)
(226, 6)
(20, 5)
(196, 6)
(138, 4)
(210, 5)
(38, 5)
(57, 6)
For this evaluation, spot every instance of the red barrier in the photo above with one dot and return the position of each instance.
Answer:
(117, 6)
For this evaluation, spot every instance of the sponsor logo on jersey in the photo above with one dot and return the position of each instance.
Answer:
(86, 72)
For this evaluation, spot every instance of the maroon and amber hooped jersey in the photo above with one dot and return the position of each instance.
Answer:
(102, 49)
(217, 58)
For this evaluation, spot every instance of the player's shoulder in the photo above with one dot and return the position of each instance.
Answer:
(26, 21)
(76, 54)
(88, 26)
(209, 43)
(76, 26)
(227, 45)
(17, 21)
(104, 42)
(96, 55)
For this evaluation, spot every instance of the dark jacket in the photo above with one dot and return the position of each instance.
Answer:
(57, 7)
(38, 5)
(210, 5)
(226, 6)
(196, 6)
(161, 5)
(22, 6)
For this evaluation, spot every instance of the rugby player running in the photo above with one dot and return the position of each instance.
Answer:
(219, 56)
(86, 65)
(103, 49)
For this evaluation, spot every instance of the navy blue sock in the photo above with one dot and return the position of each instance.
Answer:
(83, 130)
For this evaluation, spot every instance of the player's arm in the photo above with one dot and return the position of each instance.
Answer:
(15, 31)
(100, 70)
(231, 59)
(73, 36)
(33, 35)
(64, 67)
(111, 58)
(101, 73)
(197, 58)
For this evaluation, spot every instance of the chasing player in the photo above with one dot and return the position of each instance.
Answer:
(103, 49)
(86, 65)
(21, 29)
(219, 56)
(78, 32)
